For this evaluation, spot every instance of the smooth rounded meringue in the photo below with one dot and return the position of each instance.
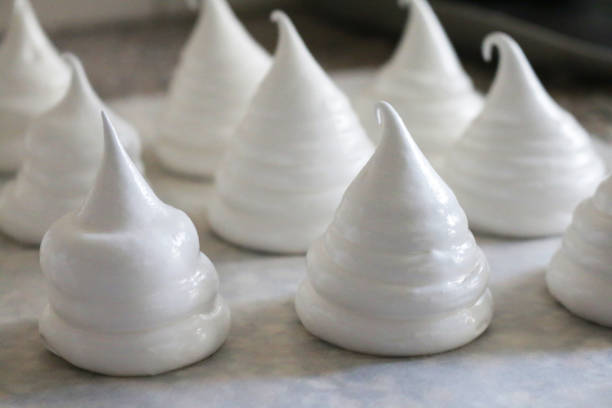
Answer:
(426, 83)
(33, 78)
(130, 293)
(296, 150)
(524, 163)
(219, 71)
(398, 272)
(64, 148)
(579, 275)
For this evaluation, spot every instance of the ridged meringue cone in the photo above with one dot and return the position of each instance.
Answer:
(425, 82)
(64, 148)
(296, 150)
(579, 275)
(524, 163)
(33, 78)
(130, 293)
(219, 70)
(398, 272)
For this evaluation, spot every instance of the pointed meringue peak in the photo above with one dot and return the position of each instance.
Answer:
(219, 28)
(25, 38)
(217, 13)
(120, 194)
(290, 48)
(80, 88)
(397, 153)
(425, 46)
(515, 81)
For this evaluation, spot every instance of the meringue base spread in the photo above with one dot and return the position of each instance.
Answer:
(355, 330)
(160, 349)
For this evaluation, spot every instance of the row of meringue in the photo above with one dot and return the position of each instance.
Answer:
(515, 152)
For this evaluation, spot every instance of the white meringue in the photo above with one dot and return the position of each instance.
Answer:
(33, 78)
(219, 71)
(524, 163)
(398, 272)
(426, 83)
(579, 275)
(296, 150)
(63, 151)
(130, 293)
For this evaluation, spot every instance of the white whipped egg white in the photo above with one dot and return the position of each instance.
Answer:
(292, 156)
(397, 272)
(130, 293)
(425, 82)
(219, 70)
(64, 148)
(33, 78)
(524, 163)
(580, 274)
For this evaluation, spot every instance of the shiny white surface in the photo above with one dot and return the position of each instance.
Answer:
(426, 83)
(398, 271)
(270, 360)
(292, 156)
(220, 68)
(63, 152)
(579, 275)
(524, 163)
(130, 293)
(33, 78)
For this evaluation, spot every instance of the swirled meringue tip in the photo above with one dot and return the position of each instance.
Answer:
(426, 83)
(397, 272)
(292, 156)
(64, 150)
(32, 79)
(201, 115)
(130, 293)
(523, 156)
(579, 275)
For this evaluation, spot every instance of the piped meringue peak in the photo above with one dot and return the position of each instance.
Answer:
(130, 293)
(397, 272)
(524, 163)
(63, 151)
(292, 156)
(32, 79)
(120, 193)
(426, 83)
(579, 274)
(219, 70)
(516, 81)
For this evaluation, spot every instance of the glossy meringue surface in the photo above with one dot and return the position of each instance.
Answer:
(425, 82)
(292, 156)
(33, 78)
(64, 148)
(219, 70)
(130, 293)
(524, 163)
(579, 275)
(397, 272)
